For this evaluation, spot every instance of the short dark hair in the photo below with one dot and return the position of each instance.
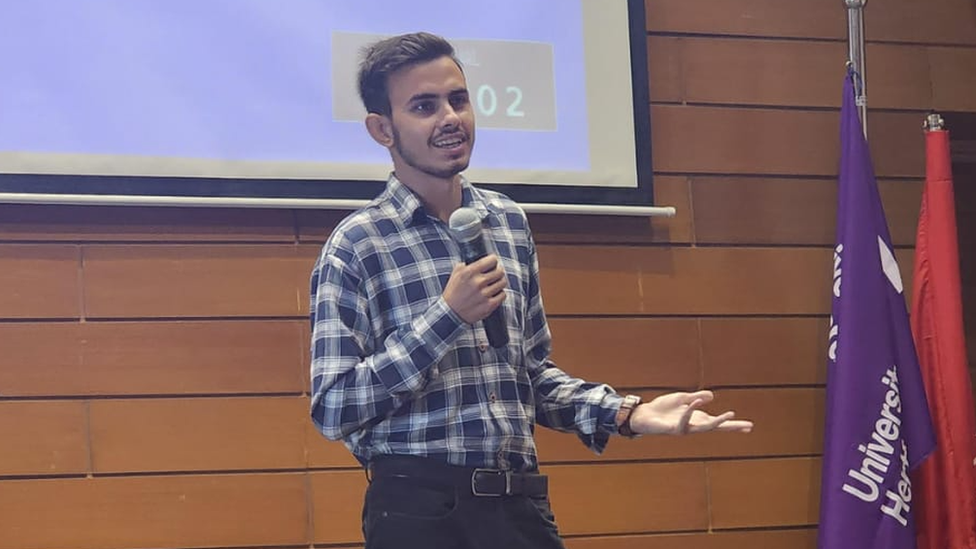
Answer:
(383, 58)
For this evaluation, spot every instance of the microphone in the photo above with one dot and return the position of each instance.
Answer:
(466, 227)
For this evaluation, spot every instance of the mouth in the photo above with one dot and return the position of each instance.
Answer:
(449, 142)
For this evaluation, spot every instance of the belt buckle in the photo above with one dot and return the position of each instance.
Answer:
(508, 482)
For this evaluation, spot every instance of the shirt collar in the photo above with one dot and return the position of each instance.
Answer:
(410, 210)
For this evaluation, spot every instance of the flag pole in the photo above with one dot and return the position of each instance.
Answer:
(856, 57)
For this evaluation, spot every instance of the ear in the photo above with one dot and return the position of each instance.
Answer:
(380, 129)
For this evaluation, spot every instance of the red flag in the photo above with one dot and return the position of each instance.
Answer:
(945, 502)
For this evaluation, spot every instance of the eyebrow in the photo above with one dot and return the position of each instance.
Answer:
(426, 96)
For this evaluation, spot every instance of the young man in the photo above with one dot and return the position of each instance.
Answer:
(401, 369)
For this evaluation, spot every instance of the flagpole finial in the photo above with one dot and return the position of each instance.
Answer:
(933, 122)
(855, 4)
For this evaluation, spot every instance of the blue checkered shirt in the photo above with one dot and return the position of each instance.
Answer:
(396, 371)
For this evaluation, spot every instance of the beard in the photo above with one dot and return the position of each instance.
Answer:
(453, 168)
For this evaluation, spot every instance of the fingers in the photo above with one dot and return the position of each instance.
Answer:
(491, 277)
(704, 396)
(684, 422)
(736, 426)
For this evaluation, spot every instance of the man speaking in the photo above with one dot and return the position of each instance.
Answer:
(403, 371)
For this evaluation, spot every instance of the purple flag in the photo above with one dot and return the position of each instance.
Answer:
(877, 426)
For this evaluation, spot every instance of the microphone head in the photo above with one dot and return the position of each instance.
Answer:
(465, 224)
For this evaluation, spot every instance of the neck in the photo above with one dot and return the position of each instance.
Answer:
(440, 197)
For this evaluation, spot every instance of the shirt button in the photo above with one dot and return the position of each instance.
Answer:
(491, 397)
(482, 346)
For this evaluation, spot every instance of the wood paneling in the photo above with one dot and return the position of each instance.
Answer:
(934, 21)
(751, 210)
(215, 357)
(695, 139)
(665, 60)
(793, 73)
(898, 77)
(194, 281)
(953, 77)
(762, 493)
(169, 511)
(788, 422)
(619, 280)
(130, 223)
(39, 281)
(757, 351)
(762, 72)
(638, 280)
(324, 453)
(768, 539)
(929, 21)
(314, 226)
(40, 358)
(785, 18)
(202, 434)
(633, 497)
(125, 358)
(337, 506)
(668, 191)
(628, 352)
(43, 438)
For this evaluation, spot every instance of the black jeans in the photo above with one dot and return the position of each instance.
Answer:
(430, 505)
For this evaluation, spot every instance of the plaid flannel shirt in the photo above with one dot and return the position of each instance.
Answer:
(396, 371)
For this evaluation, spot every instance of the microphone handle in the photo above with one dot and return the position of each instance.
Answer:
(495, 326)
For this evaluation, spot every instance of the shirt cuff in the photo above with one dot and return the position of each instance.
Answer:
(608, 412)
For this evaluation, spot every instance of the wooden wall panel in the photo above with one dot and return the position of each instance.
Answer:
(793, 73)
(953, 78)
(137, 224)
(155, 435)
(628, 352)
(764, 351)
(194, 281)
(650, 281)
(128, 358)
(915, 21)
(43, 438)
(664, 69)
(195, 357)
(40, 358)
(929, 21)
(751, 210)
(633, 497)
(636, 280)
(788, 423)
(752, 539)
(169, 511)
(314, 226)
(762, 72)
(764, 493)
(785, 18)
(39, 281)
(898, 77)
(577, 229)
(324, 453)
(695, 139)
(337, 506)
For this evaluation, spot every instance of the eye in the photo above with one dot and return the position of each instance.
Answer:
(423, 107)
(459, 101)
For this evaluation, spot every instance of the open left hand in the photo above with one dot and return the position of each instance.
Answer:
(679, 414)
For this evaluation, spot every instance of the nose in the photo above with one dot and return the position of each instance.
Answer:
(450, 117)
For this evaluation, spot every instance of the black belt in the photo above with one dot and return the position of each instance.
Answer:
(475, 481)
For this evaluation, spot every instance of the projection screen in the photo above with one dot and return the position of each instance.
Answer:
(257, 98)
